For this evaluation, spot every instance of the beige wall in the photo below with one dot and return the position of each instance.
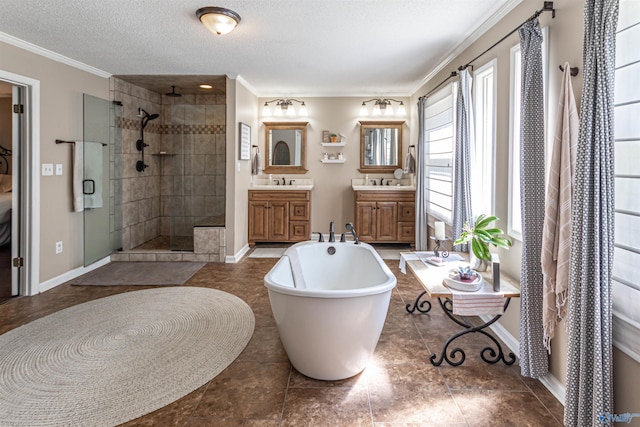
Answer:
(332, 196)
(61, 89)
(242, 106)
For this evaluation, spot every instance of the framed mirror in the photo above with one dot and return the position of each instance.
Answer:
(380, 146)
(285, 147)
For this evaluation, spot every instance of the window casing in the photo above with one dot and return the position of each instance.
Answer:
(514, 227)
(439, 118)
(626, 254)
(483, 148)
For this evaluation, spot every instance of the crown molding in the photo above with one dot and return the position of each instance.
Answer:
(245, 83)
(9, 39)
(456, 51)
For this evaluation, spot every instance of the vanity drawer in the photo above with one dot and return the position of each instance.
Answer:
(406, 211)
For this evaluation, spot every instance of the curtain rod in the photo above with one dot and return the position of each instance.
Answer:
(453, 74)
(547, 6)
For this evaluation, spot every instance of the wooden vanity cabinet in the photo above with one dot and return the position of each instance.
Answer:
(279, 216)
(385, 216)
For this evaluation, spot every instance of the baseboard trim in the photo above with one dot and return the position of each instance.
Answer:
(549, 381)
(72, 274)
(232, 259)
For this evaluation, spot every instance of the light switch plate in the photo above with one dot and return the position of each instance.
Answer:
(58, 169)
(47, 169)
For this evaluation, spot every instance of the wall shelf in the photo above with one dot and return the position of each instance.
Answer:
(332, 160)
(333, 144)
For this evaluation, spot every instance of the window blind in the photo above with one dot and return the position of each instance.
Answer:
(439, 137)
(626, 264)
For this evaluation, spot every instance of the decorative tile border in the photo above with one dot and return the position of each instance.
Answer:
(171, 129)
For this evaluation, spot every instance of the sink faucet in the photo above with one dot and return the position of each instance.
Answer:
(349, 227)
(284, 181)
(332, 232)
(382, 181)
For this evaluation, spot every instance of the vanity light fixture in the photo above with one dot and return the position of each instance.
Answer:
(218, 20)
(383, 106)
(284, 107)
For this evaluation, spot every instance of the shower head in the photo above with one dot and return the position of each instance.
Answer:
(146, 117)
(173, 93)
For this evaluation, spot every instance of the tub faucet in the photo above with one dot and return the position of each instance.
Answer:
(349, 227)
(332, 232)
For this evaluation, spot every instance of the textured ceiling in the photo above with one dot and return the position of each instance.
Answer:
(281, 47)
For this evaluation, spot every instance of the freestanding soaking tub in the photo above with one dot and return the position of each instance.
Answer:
(330, 302)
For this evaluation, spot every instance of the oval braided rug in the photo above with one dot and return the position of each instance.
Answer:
(117, 358)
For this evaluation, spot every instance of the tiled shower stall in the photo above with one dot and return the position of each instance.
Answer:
(174, 209)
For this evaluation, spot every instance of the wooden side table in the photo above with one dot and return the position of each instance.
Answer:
(431, 280)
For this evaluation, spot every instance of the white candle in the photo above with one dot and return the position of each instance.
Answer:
(440, 230)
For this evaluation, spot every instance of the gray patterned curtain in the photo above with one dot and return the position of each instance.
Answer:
(464, 138)
(422, 237)
(589, 375)
(534, 360)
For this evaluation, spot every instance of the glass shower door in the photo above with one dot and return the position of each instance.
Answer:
(94, 149)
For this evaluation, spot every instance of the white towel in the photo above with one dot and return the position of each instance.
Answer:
(409, 163)
(87, 165)
(556, 232)
(482, 301)
(93, 170)
(78, 176)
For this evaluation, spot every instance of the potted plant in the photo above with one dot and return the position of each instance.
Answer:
(480, 232)
(333, 137)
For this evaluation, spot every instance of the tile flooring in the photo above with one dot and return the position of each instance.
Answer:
(400, 387)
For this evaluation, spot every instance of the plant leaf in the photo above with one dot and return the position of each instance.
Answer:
(483, 222)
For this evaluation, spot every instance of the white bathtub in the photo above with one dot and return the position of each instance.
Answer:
(330, 319)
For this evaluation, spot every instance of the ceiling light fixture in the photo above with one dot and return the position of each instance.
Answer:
(286, 107)
(218, 20)
(203, 86)
(383, 106)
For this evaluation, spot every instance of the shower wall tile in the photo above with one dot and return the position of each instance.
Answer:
(204, 144)
(130, 213)
(221, 144)
(198, 165)
(216, 114)
(220, 164)
(199, 206)
(121, 86)
(165, 225)
(206, 99)
(220, 185)
(144, 207)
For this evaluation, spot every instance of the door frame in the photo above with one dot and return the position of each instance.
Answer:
(30, 212)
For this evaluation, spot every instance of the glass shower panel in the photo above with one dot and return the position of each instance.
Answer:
(96, 155)
(181, 219)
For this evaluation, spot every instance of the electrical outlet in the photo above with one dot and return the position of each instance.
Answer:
(58, 247)
(58, 169)
(47, 169)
